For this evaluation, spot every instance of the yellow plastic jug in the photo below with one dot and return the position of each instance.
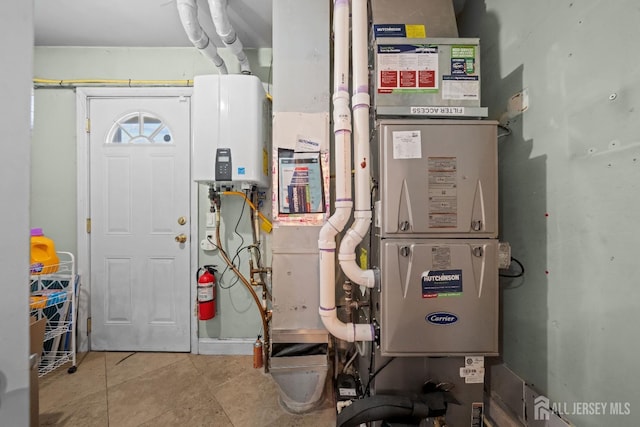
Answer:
(44, 259)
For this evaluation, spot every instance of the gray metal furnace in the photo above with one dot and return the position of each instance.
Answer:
(437, 221)
(436, 227)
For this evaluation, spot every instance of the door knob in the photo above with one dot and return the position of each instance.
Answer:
(181, 238)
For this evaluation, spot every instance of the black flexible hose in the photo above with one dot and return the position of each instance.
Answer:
(389, 408)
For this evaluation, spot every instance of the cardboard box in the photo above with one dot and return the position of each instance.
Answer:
(36, 341)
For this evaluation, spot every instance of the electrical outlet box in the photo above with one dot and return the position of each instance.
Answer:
(211, 220)
(207, 243)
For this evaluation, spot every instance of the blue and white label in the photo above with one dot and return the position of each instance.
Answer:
(241, 171)
(458, 66)
(441, 318)
(390, 30)
(441, 283)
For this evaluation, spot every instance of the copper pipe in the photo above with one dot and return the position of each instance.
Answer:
(264, 314)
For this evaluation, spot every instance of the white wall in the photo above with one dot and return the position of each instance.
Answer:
(569, 183)
(16, 43)
(53, 189)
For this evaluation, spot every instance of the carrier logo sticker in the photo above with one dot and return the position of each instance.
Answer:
(441, 283)
(441, 318)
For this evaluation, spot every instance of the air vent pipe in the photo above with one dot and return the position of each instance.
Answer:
(343, 205)
(188, 11)
(227, 33)
(362, 160)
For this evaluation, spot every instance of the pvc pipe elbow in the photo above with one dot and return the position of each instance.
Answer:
(362, 222)
(341, 216)
(349, 243)
(327, 236)
(354, 236)
(353, 271)
(349, 332)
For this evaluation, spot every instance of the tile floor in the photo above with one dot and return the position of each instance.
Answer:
(168, 389)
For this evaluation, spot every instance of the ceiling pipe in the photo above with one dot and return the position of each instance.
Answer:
(188, 11)
(342, 153)
(227, 33)
(362, 159)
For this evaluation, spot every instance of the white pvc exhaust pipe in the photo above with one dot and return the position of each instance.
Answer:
(362, 160)
(335, 224)
(188, 11)
(227, 33)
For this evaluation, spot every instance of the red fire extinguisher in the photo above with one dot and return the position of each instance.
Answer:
(206, 292)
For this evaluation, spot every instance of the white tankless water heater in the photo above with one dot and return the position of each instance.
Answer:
(231, 125)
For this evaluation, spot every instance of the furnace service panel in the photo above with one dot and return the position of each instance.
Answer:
(438, 178)
(439, 297)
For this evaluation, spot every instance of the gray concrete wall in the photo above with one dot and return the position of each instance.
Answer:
(569, 181)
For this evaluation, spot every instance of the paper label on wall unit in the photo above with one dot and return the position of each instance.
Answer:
(473, 371)
(416, 31)
(461, 87)
(405, 68)
(462, 83)
(306, 144)
(474, 361)
(436, 111)
(472, 375)
(477, 414)
(347, 391)
(463, 59)
(443, 192)
(441, 257)
(407, 144)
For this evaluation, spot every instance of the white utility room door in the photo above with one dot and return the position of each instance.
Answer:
(139, 203)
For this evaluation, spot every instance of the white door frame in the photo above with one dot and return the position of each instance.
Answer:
(83, 95)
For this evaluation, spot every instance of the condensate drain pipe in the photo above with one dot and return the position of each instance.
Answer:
(343, 205)
(360, 102)
(188, 11)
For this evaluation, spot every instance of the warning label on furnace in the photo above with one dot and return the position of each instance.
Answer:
(441, 283)
(440, 257)
(407, 68)
(443, 192)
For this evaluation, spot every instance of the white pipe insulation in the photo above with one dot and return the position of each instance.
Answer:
(362, 160)
(227, 33)
(335, 224)
(188, 11)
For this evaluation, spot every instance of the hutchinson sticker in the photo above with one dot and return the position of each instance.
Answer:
(441, 318)
(441, 283)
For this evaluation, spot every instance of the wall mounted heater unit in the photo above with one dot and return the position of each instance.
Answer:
(231, 127)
